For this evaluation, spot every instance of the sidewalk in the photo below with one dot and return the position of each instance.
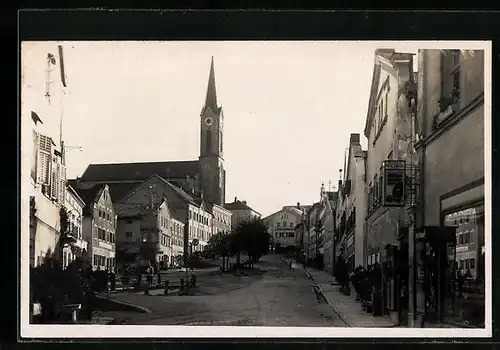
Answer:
(349, 310)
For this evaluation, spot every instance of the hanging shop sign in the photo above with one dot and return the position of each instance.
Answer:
(393, 189)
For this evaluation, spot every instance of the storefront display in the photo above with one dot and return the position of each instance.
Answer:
(466, 298)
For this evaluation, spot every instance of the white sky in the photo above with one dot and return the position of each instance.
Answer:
(289, 108)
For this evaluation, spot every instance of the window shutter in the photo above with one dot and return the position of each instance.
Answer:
(44, 159)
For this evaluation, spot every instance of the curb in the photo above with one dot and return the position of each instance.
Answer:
(338, 314)
(137, 307)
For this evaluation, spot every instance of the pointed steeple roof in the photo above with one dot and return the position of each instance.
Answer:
(211, 99)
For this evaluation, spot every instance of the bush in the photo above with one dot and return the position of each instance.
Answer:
(54, 287)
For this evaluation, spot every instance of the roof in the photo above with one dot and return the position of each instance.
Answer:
(293, 209)
(140, 171)
(129, 210)
(211, 99)
(89, 195)
(238, 205)
(386, 57)
(181, 193)
(73, 192)
(117, 190)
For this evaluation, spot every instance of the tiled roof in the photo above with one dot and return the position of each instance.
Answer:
(120, 190)
(294, 209)
(140, 171)
(117, 190)
(181, 193)
(238, 205)
(128, 210)
(89, 195)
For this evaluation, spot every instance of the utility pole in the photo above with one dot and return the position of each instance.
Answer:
(412, 268)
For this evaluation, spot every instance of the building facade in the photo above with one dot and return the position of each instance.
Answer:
(221, 218)
(282, 224)
(143, 234)
(450, 116)
(352, 209)
(388, 132)
(329, 203)
(240, 211)
(74, 206)
(314, 239)
(177, 234)
(183, 207)
(42, 93)
(99, 227)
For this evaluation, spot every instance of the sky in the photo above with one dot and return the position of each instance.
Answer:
(289, 108)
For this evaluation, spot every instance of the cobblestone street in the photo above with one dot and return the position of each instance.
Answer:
(272, 295)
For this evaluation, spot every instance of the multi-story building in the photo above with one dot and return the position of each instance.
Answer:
(177, 234)
(282, 224)
(352, 211)
(313, 241)
(450, 148)
(143, 233)
(182, 207)
(43, 87)
(74, 206)
(389, 167)
(241, 211)
(221, 218)
(99, 226)
(329, 204)
(388, 132)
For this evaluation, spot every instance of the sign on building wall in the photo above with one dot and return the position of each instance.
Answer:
(393, 189)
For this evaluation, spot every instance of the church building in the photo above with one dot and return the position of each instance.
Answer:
(205, 177)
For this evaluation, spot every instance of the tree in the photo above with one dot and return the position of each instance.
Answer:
(218, 245)
(250, 236)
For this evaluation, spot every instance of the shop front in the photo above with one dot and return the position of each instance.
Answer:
(467, 300)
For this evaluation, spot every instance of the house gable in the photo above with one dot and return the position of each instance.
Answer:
(177, 204)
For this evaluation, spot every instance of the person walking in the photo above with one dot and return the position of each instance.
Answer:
(149, 277)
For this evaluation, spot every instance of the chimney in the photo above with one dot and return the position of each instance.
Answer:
(298, 205)
(340, 183)
(235, 199)
(354, 140)
(244, 202)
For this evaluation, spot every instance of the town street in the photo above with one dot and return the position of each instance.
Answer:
(272, 295)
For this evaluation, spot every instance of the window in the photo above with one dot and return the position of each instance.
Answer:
(129, 234)
(450, 78)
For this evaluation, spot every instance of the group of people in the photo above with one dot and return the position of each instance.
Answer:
(366, 281)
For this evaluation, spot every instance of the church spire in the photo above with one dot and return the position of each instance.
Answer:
(211, 100)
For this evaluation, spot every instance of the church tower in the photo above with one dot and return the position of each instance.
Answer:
(212, 173)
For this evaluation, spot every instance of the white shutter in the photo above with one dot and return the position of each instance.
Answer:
(54, 183)
(62, 183)
(44, 159)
